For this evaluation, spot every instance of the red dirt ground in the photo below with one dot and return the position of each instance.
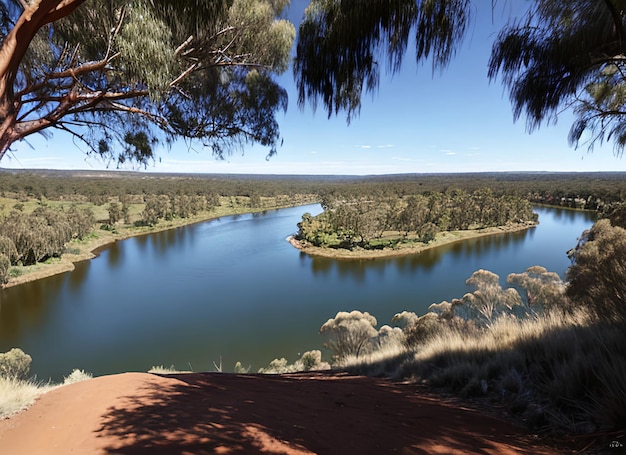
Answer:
(212, 413)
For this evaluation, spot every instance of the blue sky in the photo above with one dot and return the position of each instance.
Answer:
(417, 122)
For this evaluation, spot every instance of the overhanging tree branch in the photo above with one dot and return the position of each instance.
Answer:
(121, 59)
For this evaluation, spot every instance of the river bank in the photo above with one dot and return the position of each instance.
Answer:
(442, 238)
(83, 250)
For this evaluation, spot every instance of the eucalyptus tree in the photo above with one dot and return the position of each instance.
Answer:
(115, 213)
(121, 76)
(596, 277)
(340, 41)
(558, 54)
(568, 53)
(350, 334)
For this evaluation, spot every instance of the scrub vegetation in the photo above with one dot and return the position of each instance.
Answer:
(549, 353)
(18, 390)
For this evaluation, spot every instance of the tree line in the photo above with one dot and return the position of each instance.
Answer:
(592, 190)
(28, 238)
(349, 222)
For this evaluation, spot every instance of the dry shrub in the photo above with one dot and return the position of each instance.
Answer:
(76, 376)
(597, 278)
(383, 362)
(17, 395)
(15, 364)
(309, 361)
(561, 373)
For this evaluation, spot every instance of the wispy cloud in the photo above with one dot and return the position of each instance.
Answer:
(380, 146)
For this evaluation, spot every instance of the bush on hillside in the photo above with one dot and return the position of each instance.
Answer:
(309, 361)
(597, 277)
(15, 364)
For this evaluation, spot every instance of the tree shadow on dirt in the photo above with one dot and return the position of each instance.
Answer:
(300, 413)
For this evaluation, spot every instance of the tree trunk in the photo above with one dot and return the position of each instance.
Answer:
(12, 51)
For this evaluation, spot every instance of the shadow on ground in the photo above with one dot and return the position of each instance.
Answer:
(293, 414)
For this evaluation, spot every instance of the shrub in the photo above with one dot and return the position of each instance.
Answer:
(486, 304)
(17, 395)
(76, 376)
(597, 278)
(240, 369)
(422, 329)
(15, 364)
(349, 333)
(309, 361)
(160, 369)
(557, 372)
(5, 265)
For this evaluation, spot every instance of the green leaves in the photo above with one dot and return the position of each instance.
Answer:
(341, 42)
(123, 77)
(147, 53)
(567, 53)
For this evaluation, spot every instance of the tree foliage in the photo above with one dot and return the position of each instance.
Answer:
(340, 43)
(349, 333)
(356, 221)
(122, 76)
(28, 238)
(15, 364)
(568, 53)
(597, 275)
(354, 334)
(558, 54)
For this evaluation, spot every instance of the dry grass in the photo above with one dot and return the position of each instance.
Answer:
(17, 395)
(555, 372)
(160, 369)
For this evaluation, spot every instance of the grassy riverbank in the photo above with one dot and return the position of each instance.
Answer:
(81, 250)
(405, 247)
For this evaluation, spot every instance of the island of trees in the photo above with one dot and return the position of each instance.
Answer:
(377, 222)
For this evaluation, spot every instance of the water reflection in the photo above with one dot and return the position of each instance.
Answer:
(24, 308)
(425, 260)
(114, 254)
(76, 278)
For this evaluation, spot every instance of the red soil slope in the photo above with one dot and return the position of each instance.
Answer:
(140, 413)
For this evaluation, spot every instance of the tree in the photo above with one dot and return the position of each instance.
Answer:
(543, 289)
(596, 277)
(568, 53)
(559, 54)
(5, 264)
(485, 305)
(339, 43)
(115, 213)
(15, 364)
(121, 76)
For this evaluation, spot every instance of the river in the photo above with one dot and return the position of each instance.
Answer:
(233, 290)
